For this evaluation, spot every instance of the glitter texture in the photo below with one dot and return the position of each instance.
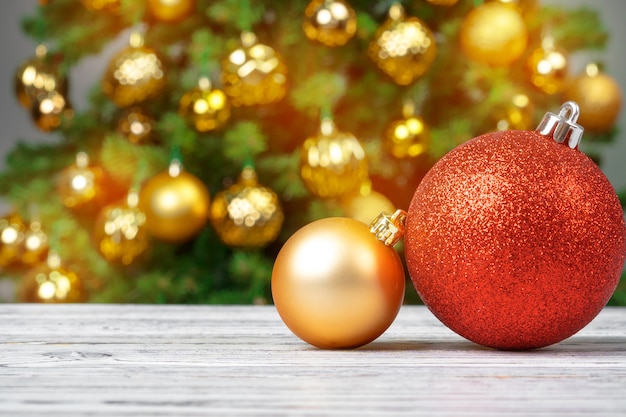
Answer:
(515, 241)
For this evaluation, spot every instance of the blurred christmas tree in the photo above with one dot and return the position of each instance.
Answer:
(226, 125)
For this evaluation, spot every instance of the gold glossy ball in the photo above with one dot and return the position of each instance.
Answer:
(50, 110)
(137, 126)
(247, 214)
(403, 48)
(205, 108)
(408, 137)
(516, 114)
(46, 284)
(335, 285)
(364, 207)
(12, 231)
(111, 6)
(548, 67)
(494, 34)
(254, 73)
(133, 76)
(176, 206)
(35, 245)
(329, 22)
(332, 163)
(120, 233)
(599, 97)
(38, 76)
(171, 11)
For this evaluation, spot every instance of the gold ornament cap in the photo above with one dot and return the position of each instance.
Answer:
(563, 127)
(389, 229)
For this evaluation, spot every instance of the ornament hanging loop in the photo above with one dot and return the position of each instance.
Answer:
(563, 127)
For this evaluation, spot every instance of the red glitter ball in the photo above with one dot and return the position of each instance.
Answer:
(515, 241)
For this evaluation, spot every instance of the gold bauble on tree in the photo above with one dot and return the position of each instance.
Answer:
(443, 2)
(35, 244)
(170, 11)
(548, 66)
(111, 6)
(494, 34)
(86, 188)
(254, 73)
(333, 162)
(204, 107)
(329, 22)
(38, 76)
(12, 230)
(50, 110)
(50, 282)
(408, 137)
(119, 231)
(403, 48)
(137, 126)
(599, 97)
(517, 114)
(247, 214)
(365, 204)
(134, 75)
(176, 204)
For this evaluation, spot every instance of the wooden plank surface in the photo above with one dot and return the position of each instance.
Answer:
(130, 360)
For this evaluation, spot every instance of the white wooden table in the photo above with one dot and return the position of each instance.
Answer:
(113, 360)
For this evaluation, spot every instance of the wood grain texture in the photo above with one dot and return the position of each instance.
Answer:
(138, 360)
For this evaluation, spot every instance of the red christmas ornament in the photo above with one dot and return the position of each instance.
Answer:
(516, 240)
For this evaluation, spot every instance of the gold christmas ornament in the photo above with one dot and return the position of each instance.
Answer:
(119, 231)
(366, 204)
(339, 284)
(247, 214)
(204, 107)
(86, 188)
(111, 6)
(516, 114)
(528, 8)
(137, 126)
(50, 110)
(51, 283)
(330, 22)
(599, 97)
(134, 75)
(176, 204)
(403, 48)
(170, 11)
(548, 66)
(35, 245)
(38, 76)
(408, 137)
(12, 230)
(494, 34)
(254, 73)
(443, 2)
(332, 163)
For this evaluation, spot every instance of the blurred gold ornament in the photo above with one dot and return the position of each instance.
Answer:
(403, 48)
(12, 230)
(86, 188)
(49, 282)
(332, 163)
(548, 66)
(408, 137)
(365, 204)
(112, 6)
(134, 75)
(443, 2)
(204, 107)
(50, 110)
(516, 114)
(119, 231)
(171, 11)
(247, 214)
(38, 76)
(528, 8)
(137, 126)
(176, 204)
(35, 244)
(330, 22)
(254, 73)
(494, 34)
(599, 97)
